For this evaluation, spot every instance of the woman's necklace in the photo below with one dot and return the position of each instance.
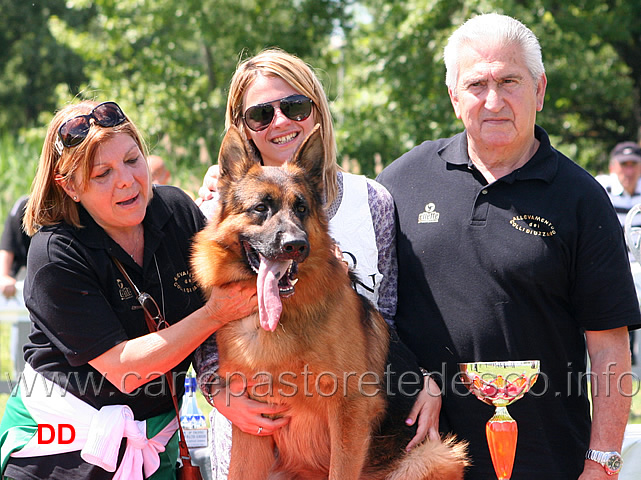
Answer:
(136, 242)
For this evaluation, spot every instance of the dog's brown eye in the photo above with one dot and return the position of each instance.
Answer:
(260, 208)
(301, 209)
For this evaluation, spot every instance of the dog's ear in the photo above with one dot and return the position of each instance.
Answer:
(234, 159)
(310, 156)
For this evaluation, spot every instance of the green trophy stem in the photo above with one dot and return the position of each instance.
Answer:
(502, 432)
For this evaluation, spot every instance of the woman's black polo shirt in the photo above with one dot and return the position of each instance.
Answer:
(81, 306)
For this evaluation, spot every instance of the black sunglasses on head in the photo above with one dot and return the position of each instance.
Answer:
(75, 130)
(295, 107)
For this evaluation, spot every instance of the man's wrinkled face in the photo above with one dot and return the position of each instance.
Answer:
(496, 96)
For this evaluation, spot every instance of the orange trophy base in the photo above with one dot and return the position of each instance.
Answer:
(502, 432)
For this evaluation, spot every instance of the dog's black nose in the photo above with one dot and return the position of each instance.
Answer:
(295, 249)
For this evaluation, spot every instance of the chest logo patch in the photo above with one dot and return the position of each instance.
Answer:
(123, 290)
(430, 215)
(184, 282)
(533, 225)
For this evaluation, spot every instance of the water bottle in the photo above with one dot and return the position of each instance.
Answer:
(192, 418)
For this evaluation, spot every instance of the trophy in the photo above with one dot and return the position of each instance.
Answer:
(633, 234)
(500, 384)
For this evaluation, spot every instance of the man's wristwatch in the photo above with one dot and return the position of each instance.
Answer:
(611, 461)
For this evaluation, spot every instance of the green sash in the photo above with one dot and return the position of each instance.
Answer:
(17, 428)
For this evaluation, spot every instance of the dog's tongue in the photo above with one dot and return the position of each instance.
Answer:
(269, 304)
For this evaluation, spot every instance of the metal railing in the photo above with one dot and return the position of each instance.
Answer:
(14, 314)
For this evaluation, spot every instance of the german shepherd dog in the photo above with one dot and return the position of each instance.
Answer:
(315, 344)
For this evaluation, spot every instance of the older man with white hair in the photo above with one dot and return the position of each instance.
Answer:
(508, 250)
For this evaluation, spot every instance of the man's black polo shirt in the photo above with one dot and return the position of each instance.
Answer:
(513, 270)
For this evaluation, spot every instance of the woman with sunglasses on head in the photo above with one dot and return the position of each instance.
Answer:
(95, 374)
(275, 99)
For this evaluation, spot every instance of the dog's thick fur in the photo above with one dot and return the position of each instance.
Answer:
(328, 338)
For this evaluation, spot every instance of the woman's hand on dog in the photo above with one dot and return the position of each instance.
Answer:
(339, 254)
(249, 415)
(232, 302)
(210, 182)
(426, 409)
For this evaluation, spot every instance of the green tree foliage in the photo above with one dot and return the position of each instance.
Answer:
(169, 63)
(32, 63)
(595, 74)
(397, 93)
(397, 96)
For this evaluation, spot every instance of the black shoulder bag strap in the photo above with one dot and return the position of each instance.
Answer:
(189, 471)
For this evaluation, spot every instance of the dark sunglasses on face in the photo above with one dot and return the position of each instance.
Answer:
(151, 308)
(295, 107)
(75, 130)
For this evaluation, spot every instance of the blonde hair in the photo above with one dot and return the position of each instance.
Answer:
(48, 203)
(274, 62)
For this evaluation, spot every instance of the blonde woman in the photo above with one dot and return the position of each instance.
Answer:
(275, 99)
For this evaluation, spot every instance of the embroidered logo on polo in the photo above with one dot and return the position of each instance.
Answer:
(430, 215)
(184, 282)
(533, 225)
(123, 290)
